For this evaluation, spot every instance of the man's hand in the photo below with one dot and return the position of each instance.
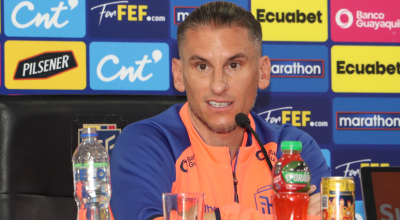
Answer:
(209, 216)
(314, 207)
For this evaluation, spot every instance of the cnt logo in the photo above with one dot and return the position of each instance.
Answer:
(55, 18)
(114, 66)
(374, 20)
(122, 10)
(45, 65)
(297, 68)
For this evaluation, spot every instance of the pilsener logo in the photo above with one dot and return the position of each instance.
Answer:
(180, 13)
(292, 21)
(128, 19)
(355, 70)
(297, 68)
(368, 120)
(129, 66)
(45, 65)
(45, 18)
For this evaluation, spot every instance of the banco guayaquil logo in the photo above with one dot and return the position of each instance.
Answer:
(129, 66)
(128, 18)
(365, 19)
(45, 18)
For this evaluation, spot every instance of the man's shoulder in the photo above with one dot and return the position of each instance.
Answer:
(164, 131)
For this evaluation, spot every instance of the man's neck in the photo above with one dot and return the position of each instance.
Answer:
(232, 140)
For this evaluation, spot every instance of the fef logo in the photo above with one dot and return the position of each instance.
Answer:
(292, 21)
(356, 21)
(366, 120)
(297, 68)
(128, 19)
(355, 70)
(129, 66)
(180, 9)
(45, 18)
(263, 201)
(349, 161)
(310, 115)
(45, 65)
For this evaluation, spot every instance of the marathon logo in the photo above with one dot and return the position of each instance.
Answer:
(368, 120)
(372, 68)
(288, 17)
(45, 65)
(181, 12)
(297, 68)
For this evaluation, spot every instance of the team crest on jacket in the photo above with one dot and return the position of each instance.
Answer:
(263, 200)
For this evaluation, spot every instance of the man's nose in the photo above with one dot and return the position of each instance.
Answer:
(219, 83)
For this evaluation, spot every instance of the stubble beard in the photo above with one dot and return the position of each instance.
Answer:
(218, 129)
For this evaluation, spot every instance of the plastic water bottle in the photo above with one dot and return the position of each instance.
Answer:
(92, 180)
(291, 181)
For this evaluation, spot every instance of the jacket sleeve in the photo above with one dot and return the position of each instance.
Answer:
(234, 211)
(142, 168)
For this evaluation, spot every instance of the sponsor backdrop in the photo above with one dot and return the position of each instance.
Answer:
(335, 64)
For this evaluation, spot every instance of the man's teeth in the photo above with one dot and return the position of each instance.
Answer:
(219, 104)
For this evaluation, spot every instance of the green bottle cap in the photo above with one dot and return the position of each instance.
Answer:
(291, 145)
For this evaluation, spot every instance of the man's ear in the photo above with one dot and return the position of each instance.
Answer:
(264, 72)
(177, 75)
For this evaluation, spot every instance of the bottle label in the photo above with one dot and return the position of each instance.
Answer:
(296, 172)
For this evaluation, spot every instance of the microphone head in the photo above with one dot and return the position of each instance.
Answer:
(241, 120)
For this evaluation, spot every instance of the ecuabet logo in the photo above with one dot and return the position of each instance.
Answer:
(354, 70)
(45, 18)
(356, 21)
(310, 115)
(45, 65)
(292, 21)
(129, 66)
(297, 68)
(366, 120)
(128, 19)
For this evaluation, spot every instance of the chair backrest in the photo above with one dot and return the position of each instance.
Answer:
(38, 135)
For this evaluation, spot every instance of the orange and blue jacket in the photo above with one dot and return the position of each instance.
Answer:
(165, 154)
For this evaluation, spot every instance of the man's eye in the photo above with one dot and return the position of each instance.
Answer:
(233, 65)
(202, 66)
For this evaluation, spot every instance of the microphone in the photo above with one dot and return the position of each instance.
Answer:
(244, 122)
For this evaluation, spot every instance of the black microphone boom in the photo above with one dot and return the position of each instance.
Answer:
(244, 122)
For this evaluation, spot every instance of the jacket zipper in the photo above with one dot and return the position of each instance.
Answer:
(235, 181)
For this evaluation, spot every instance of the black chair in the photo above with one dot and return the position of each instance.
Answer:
(38, 135)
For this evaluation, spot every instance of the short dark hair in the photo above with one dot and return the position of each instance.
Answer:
(221, 14)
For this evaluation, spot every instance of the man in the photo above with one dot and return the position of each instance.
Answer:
(197, 147)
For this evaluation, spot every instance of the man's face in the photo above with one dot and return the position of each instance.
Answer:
(220, 70)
